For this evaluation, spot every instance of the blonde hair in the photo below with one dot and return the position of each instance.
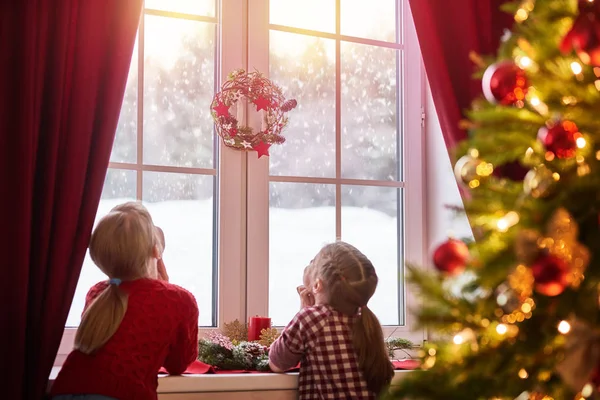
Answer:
(122, 244)
(350, 280)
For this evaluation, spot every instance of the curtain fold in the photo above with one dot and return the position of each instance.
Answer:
(448, 31)
(62, 78)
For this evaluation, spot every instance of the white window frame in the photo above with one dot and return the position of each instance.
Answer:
(243, 179)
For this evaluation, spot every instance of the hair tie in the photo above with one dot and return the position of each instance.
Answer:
(114, 281)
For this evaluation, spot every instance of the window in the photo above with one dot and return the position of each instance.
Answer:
(349, 168)
(164, 151)
(239, 229)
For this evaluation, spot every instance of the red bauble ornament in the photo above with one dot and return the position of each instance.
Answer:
(560, 138)
(451, 256)
(550, 274)
(504, 83)
(584, 36)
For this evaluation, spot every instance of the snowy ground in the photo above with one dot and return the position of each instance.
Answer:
(296, 235)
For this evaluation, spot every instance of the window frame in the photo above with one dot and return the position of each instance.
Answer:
(243, 180)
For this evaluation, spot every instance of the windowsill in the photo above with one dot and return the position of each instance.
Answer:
(226, 383)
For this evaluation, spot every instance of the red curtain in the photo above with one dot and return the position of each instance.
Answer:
(63, 71)
(448, 31)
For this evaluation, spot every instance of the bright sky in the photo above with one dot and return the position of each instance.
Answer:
(374, 19)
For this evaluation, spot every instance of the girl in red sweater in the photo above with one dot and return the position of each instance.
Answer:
(132, 324)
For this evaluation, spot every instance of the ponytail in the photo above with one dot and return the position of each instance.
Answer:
(101, 320)
(373, 358)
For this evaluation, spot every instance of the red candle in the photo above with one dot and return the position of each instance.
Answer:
(256, 325)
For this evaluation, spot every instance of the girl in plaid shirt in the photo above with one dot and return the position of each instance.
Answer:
(336, 338)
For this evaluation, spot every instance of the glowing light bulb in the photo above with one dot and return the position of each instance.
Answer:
(526, 308)
(580, 142)
(587, 390)
(501, 329)
(535, 101)
(525, 62)
(458, 339)
(523, 374)
(510, 219)
(564, 327)
(576, 68)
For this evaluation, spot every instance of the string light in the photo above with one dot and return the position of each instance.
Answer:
(576, 68)
(510, 219)
(524, 62)
(580, 142)
(535, 101)
(587, 390)
(523, 374)
(564, 327)
(458, 339)
(501, 329)
(521, 15)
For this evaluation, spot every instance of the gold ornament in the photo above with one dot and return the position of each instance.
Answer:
(470, 170)
(560, 241)
(581, 355)
(562, 231)
(527, 246)
(539, 182)
(268, 336)
(235, 331)
(521, 281)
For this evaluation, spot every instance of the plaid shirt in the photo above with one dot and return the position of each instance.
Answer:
(321, 339)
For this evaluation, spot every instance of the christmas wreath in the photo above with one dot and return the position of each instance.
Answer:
(240, 89)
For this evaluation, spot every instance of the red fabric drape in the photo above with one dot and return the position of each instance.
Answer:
(448, 31)
(63, 72)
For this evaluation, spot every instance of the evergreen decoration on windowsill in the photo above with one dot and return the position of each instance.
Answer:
(231, 350)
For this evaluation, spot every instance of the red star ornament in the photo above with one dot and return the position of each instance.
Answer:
(221, 109)
(261, 103)
(262, 149)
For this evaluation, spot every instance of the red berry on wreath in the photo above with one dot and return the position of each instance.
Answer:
(505, 83)
(451, 257)
(560, 138)
(550, 274)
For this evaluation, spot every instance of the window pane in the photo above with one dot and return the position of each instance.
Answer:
(179, 70)
(182, 205)
(369, 133)
(304, 67)
(119, 187)
(316, 15)
(370, 222)
(196, 7)
(375, 19)
(301, 221)
(125, 145)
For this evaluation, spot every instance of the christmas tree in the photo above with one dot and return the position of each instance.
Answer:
(527, 323)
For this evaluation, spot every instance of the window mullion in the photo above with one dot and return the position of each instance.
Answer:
(232, 178)
(257, 230)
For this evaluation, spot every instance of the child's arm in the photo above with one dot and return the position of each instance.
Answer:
(287, 351)
(184, 349)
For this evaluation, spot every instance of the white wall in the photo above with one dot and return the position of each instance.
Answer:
(442, 189)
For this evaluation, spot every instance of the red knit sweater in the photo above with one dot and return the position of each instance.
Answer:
(160, 328)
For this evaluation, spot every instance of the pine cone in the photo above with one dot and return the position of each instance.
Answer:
(289, 105)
